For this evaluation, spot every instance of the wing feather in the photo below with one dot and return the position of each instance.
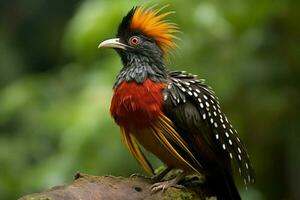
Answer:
(194, 108)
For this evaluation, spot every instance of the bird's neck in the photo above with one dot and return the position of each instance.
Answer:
(139, 68)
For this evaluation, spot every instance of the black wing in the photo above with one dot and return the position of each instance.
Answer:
(194, 109)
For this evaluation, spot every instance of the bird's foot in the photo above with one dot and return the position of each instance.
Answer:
(164, 185)
(157, 177)
(152, 179)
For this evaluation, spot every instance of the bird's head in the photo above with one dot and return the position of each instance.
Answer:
(143, 35)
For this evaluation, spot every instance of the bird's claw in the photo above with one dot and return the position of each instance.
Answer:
(164, 185)
(152, 179)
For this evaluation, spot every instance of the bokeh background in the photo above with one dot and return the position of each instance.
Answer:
(56, 86)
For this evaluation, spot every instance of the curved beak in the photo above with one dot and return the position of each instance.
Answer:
(113, 43)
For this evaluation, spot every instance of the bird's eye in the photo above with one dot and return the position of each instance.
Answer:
(134, 40)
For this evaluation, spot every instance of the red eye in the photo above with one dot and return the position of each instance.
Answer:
(134, 40)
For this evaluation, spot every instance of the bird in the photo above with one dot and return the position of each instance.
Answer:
(172, 114)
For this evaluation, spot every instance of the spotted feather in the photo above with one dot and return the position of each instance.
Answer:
(182, 88)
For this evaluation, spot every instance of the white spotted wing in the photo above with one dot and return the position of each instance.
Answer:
(183, 87)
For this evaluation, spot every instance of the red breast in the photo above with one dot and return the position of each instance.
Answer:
(136, 105)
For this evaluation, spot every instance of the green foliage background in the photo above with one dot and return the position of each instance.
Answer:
(56, 86)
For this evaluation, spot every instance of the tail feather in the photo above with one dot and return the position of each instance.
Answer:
(224, 187)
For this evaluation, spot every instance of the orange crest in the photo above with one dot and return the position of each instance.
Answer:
(151, 23)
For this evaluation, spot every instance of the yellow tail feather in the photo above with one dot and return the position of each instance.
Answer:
(135, 150)
(164, 130)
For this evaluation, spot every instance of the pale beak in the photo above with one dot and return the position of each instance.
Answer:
(113, 43)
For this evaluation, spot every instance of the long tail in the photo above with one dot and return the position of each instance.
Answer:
(223, 186)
